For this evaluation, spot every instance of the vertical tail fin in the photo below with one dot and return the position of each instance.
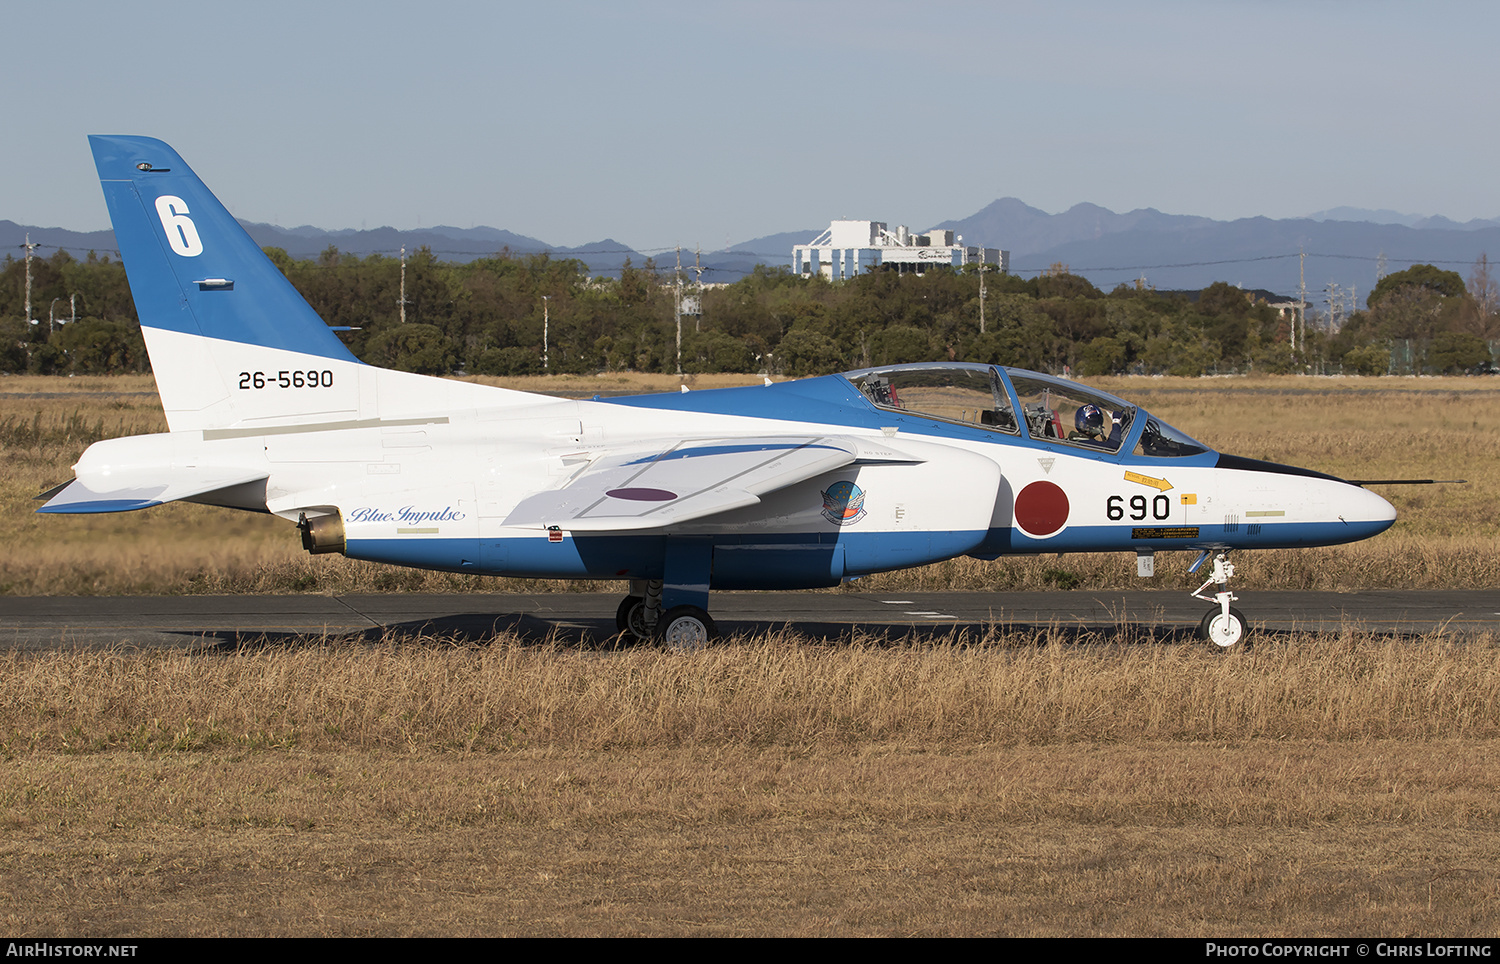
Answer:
(231, 341)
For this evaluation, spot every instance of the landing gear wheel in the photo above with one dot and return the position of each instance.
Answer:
(685, 629)
(630, 620)
(1227, 633)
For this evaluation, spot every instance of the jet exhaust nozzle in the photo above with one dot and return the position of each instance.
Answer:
(322, 534)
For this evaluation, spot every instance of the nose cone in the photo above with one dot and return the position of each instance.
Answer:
(1340, 512)
(1364, 510)
(1319, 510)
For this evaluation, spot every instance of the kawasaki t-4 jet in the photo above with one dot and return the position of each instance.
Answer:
(794, 485)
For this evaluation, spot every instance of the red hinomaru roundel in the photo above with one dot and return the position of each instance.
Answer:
(1042, 508)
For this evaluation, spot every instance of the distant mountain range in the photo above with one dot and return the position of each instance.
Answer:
(1343, 246)
(1182, 252)
(1385, 216)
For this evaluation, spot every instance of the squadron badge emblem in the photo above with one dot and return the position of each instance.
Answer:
(844, 504)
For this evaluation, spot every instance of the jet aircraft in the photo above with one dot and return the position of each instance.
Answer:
(798, 484)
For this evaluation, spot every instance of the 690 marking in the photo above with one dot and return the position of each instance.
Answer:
(285, 379)
(1160, 507)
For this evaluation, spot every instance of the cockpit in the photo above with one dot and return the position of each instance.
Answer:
(1024, 404)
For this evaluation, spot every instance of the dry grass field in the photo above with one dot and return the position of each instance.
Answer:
(1010, 785)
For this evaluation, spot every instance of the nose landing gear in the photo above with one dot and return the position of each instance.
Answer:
(1224, 626)
(1224, 630)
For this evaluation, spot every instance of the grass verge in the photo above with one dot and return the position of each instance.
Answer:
(1017, 785)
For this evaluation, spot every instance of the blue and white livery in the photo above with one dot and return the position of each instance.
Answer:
(794, 485)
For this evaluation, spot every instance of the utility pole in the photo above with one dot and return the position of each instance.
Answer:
(698, 287)
(678, 311)
(546, 323)
(28, 246)
(1301, 299)
(982, 266)
(402, 302)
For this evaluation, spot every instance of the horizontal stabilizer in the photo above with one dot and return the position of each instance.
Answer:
(125, 492)
(688, 480)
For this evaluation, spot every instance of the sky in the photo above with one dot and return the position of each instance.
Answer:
(708, 123)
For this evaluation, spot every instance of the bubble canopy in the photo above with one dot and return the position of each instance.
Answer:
(1025, 404)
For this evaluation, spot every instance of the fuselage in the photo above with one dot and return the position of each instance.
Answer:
(439, 492)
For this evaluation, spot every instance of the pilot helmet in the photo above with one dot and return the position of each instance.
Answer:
(1089, 419)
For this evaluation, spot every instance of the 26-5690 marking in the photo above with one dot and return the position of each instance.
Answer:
(284, 379)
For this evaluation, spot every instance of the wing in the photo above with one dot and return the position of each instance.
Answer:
(690, 480)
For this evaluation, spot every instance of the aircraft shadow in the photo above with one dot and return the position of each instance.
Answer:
(483, 629)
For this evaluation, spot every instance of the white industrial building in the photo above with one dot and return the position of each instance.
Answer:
(849, 248)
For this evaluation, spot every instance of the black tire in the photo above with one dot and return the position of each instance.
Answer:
(630, 619)
(686, 629)
(1227, 635)
(622, 614)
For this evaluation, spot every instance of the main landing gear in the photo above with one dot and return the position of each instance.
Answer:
(1224, 626)
(682, 629)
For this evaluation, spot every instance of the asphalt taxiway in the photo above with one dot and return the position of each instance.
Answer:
(191, 622)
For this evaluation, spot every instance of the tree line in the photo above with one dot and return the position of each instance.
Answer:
(524, 314)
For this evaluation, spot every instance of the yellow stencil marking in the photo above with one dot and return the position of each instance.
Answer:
(1160, 485)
